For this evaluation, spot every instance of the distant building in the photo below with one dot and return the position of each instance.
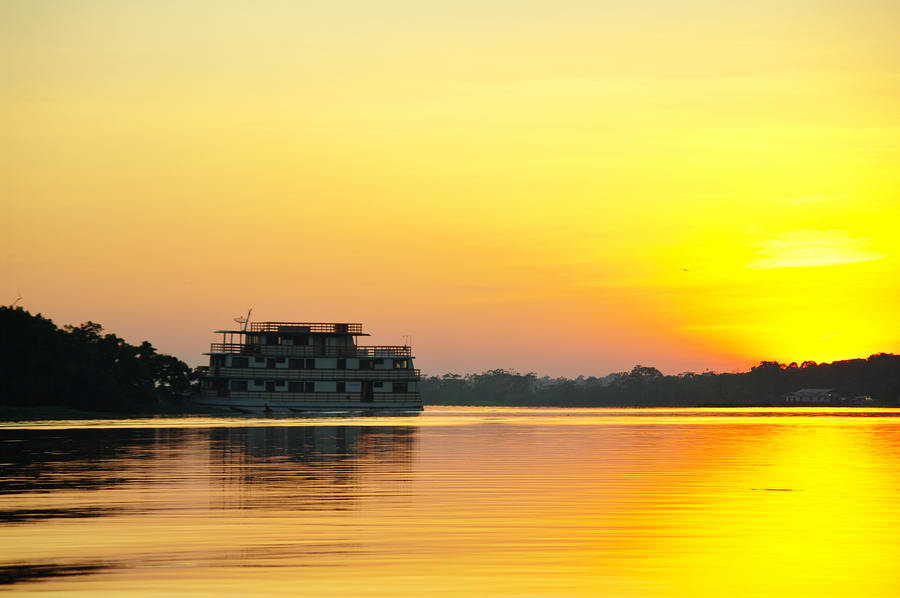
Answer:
(813, 395)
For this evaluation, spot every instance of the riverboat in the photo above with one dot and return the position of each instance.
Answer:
(283, 368)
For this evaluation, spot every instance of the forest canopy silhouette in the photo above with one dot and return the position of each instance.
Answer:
(872, 381)
(80, 367)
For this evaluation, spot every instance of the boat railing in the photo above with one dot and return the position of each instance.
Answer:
(397, 375)
(384, 350)
(276, 397)
(312, 350)
(306, 327)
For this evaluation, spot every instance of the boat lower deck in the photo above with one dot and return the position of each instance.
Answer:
(262, 404)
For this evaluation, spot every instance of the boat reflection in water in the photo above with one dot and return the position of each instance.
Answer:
(300, 468)
(143, 481)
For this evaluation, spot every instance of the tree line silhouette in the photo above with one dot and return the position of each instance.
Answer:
(872, 381)
(79, 367)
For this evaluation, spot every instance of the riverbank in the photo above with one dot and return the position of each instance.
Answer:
(51, 413)
(10, 413)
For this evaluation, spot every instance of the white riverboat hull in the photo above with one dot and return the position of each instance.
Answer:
(264, 406)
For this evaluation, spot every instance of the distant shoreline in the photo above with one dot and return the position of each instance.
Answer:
(761, 405)
(52, 413)
(11, 413)
(869, 382)
(82, 373)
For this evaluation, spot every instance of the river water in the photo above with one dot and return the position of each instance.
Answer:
(457, 502)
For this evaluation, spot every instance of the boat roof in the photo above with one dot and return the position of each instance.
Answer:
(343, 328)
(286, 331)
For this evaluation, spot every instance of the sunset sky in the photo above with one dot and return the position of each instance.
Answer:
(564, 187)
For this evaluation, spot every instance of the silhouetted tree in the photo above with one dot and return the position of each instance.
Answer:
(80, 367)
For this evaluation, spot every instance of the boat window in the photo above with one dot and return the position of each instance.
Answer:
(239, 362)
(310, 386)
(310, 364)
(379, 384)
(238, 385)
(341, 387)
(341, 365)
(295, 386)
(399, 387)
(295, 364)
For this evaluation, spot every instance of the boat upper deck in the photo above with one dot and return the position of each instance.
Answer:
(307, 327)
(343, 328)
(310, 351)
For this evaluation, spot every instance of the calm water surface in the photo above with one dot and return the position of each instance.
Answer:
(457, 502)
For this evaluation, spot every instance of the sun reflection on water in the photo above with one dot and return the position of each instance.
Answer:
(459, 502)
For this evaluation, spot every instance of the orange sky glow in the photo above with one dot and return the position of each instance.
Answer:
(569, 188)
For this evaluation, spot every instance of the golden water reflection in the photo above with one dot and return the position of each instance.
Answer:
(459, 502)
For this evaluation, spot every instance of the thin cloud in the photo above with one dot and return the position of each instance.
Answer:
(812, 249)
(809, 199)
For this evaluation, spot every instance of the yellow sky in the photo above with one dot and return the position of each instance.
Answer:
(561, 187)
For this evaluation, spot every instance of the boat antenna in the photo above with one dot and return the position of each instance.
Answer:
(244, 320)
(19, 298)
